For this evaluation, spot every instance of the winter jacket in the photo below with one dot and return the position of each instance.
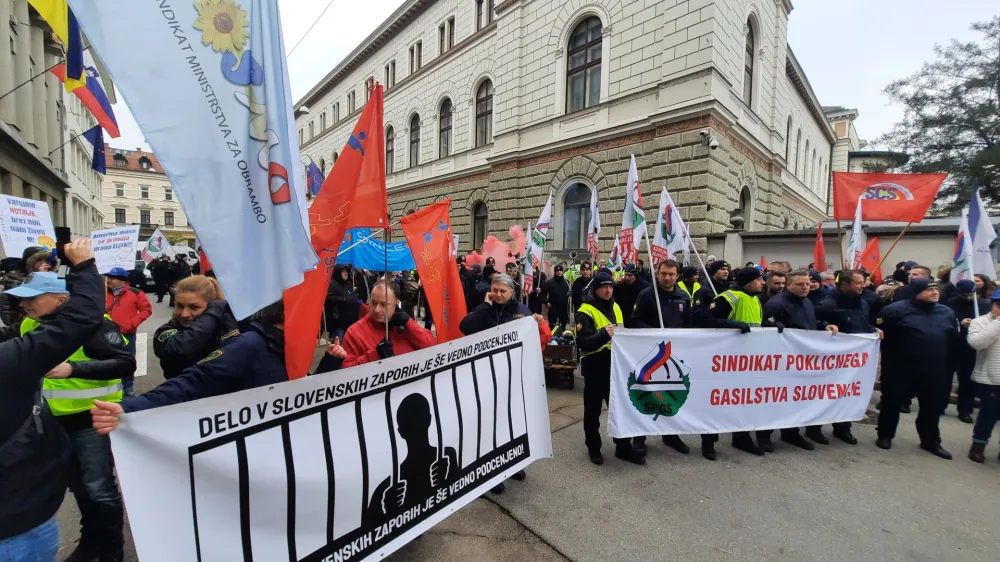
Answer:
(626, 295)
(580, 285)
(675, 307)
(920, 339)
(984, 337)
(362, 338)
(128, 309)
(791, 311)
(341, 302)
(848, 313)
(556, 291)
(10, 311)
(178, 347)
(32, 470)
(964, 309)
(488, 315)
(252, 359)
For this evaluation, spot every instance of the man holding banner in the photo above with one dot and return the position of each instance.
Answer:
(366, 341)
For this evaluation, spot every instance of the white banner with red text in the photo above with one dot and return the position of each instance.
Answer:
(671, 382)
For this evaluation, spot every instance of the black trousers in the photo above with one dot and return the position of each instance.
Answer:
(713, 438)
(968, 389)
(596, 371)
(558, 314)
(931, 390)
(161, 289)
(838, 428)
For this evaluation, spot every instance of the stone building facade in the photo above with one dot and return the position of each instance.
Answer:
(495, 105)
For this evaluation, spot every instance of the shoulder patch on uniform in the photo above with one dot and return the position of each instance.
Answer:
(114, 338)
(211, 356)
(232, 334)
(166, 334)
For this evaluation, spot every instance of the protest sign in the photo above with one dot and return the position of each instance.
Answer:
(115, 247)
(364, 251)
(25, 223)
(668, 382)
(347, 465)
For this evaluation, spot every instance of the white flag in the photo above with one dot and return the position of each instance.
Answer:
(157, 246)
(633, 217)
(962, 261)
(615, 260)
(857, 242)
(594, 228)
(982, 234)
(541, 232)
(670, 236)
(208, 86)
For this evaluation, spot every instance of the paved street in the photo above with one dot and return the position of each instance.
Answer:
(837, 503)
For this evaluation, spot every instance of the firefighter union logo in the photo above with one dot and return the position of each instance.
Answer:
(661, 385)
(887, 192)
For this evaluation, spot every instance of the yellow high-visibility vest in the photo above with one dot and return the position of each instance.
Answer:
(744, 307)
(600, 321)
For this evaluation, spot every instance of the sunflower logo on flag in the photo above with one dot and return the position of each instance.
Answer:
(661, 385)
(223, 25)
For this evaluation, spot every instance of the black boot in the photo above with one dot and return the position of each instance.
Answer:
(977, 453)
(708, 451)
(595, 456)
(883, 443)
(746, 444)
(845, 436)
(798, 441)
(966, 418)
(499, 488)
(817, 436)
(936, 450)
(674, 441)
(639, 446)
(627, 453)
(764, 442)
(519, 475)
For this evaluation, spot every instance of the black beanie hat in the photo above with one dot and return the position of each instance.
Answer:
(716, 266)
(746, 275)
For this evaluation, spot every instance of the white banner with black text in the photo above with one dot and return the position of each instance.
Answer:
(671, 382)
(339, 466)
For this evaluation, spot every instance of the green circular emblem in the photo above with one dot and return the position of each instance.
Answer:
(661, 386)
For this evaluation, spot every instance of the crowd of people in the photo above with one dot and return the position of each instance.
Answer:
(68, 346)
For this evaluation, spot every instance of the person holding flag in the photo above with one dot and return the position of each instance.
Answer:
(365, 341)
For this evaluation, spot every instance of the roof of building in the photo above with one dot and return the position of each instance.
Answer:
(132, 160)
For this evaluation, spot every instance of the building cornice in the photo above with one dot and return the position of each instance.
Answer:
(798, 77)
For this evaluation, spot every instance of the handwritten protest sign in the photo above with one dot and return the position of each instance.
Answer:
(115, 247)
(25, 223)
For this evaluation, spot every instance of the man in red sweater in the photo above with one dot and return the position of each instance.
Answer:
(128, 307)
(365, 340)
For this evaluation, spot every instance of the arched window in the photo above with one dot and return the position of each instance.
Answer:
(335, 156)
(484, 114)
(798, 151)
(576, 216)
(444, 129)
(812, 166)
(805, 166)
(415, 140)
(390, 152)
(748, 61)
(322, 165)
(480, 224)
(583, 70)
(788, 141)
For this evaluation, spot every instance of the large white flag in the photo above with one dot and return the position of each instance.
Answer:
(982, 234)
(615, 260)
(857, 244)
(671, 235)
(541, 232)
(594, 228)
(207, 83)
(157, 246)
(962, 261)
(633, 217)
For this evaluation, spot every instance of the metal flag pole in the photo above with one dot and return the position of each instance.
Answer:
(385, 254)
(708, 278)
(362, 241)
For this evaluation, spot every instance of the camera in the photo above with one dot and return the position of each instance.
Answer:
(708, 140)
(713, 143)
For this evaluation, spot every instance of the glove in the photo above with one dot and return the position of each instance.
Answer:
(385, 351)
(779, 326)
(744, 327)
(399, 319)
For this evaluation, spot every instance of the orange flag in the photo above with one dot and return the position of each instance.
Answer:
(428, 233)
(888, 197)
(353, 196)
(819, 250)
(870, 261)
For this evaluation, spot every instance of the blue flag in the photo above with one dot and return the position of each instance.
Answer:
(95, 136)
(315, 178)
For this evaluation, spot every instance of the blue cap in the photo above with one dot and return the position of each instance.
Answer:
(966, 286)
(39, 283)
(117, 273)
(996, 296)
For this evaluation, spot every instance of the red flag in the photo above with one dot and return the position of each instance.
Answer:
(353, 195)
(763, 263)
(428, 233)
(204, 266)
(870, 261)
(889, 197)
(819, 250)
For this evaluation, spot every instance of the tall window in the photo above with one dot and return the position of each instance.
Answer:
(415, 140)
(442, 34)
(748, 66)
(812, 166)
(168, 194)
(168, 218)
(336, 112)
(119, 190)
(369, 84)
(322, 165)
(350, 102)
(489, 11)
(451, 32)
(322, 121)
(335, 156)
(390, 150)
(576, 216)
(119, 216)
(312, 132)
(390, 74)
(798, 151)
(583, 72)
(415, 56)
(444, 129)
(805, 166)
(480, 224)
(479, 15)
(144, 216)
(484, 114)
(144, 191)
(788, 141)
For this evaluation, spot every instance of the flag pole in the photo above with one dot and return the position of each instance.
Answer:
(840, 245)
(385, 254)
(656, 283)
(363, 240)
(697, 254)
(901, 232)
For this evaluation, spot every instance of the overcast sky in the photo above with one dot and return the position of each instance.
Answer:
(850, 49)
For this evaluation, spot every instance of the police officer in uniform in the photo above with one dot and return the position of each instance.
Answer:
(94, 371)
(595, 326)
(792, 308)
(737, 308)
(689, 281)
(718, 272)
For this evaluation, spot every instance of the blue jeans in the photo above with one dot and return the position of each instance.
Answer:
(989, 413)
(92, 481)
(37, 545)
(128, 381)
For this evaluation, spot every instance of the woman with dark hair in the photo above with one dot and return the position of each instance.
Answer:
(201, 321)
(984, 286)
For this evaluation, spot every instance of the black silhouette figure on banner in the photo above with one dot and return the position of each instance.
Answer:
(422, 471)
